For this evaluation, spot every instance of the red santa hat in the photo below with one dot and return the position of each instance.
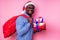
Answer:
(26, 4)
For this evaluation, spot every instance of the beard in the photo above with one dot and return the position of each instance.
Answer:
(29, 14)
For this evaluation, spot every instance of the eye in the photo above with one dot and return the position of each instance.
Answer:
(30, 7)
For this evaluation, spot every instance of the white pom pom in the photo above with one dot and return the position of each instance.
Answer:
(29, 3)
(23, 12)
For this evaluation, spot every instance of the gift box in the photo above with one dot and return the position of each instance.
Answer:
(39, 24)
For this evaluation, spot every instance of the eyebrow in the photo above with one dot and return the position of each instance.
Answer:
(32, 6)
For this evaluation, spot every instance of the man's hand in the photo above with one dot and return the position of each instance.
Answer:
(30, 20)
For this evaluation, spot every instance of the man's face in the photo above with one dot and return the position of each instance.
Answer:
(30, 9)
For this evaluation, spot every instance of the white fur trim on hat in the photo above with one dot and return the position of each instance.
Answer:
(29, 3)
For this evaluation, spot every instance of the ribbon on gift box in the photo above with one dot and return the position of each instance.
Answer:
(39, 25)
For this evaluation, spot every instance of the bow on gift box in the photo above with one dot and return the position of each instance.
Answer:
(39, 24)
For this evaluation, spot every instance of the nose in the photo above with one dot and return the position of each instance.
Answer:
(31, 9)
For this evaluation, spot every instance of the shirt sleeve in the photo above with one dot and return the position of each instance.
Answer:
(22, 27)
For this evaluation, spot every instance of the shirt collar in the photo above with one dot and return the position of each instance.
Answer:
(26, 14)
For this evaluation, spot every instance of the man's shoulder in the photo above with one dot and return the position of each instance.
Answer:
(23, 16)
(20, 17)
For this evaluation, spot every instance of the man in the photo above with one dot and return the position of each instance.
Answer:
(23, 25)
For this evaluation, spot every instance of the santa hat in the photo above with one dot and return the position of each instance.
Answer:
(26, 4)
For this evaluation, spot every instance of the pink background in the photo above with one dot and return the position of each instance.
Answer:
(48, 9)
